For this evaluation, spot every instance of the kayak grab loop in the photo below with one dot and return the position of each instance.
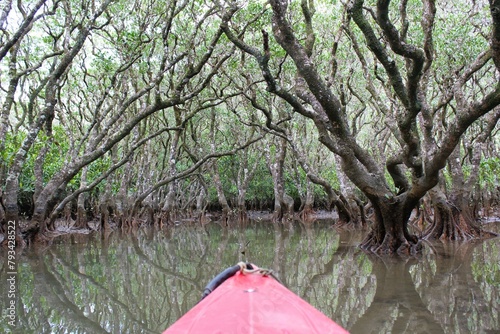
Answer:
(243, 267)
(261, 271)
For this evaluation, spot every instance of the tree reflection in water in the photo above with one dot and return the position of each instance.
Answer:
(142, 282)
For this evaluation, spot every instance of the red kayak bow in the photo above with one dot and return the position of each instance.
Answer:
(252, 302)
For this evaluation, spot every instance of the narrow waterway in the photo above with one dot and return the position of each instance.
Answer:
(143, 282)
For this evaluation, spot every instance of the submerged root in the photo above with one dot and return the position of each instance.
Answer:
(392, 246)
(306, 213)
(455, 226)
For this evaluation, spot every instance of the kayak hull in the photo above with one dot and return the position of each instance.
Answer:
(252, 303)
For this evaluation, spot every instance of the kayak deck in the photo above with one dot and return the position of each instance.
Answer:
(252, 303)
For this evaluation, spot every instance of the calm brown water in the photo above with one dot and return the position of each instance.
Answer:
(142, 283)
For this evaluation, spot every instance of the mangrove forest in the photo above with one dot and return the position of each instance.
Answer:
(120, 114)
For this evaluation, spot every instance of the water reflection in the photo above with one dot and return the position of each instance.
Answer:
(143, 282)
(396, 307)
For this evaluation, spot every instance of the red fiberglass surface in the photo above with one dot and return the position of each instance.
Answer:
(251, 303)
